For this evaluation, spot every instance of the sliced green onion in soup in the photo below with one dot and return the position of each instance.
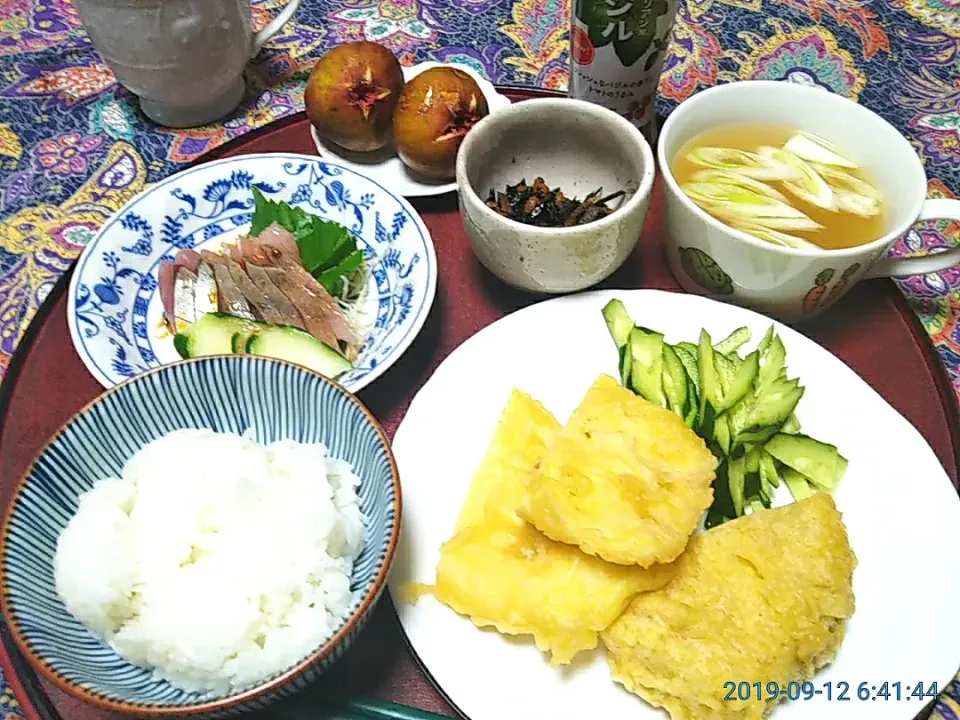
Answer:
(726, 177)
(737, 203)
(858, 204)
(853, 194)
(844, 181)
(808, 185)
(787, 223)
(774, 236)
(736, 195)
(815, 149)
(741, 162)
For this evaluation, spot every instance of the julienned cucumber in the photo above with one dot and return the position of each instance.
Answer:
(819, 462)
(223, 334)
(742, 406)
(646, 365)
(618, 321)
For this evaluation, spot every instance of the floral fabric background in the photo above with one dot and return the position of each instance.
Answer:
(74, 147)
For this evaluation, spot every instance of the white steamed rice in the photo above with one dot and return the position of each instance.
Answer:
(214, 560)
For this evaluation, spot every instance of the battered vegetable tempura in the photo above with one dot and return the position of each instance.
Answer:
(762, 598)
(626, 480)
(501, 572)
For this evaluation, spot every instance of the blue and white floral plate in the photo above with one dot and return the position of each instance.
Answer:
(114, 310)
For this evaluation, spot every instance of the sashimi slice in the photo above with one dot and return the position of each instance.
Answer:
(259, 301)
(207, 298)
(310, 307)
(231, 298)
(275, 235)
(166, 277)
(184, 297)
(190, 259)
(309, 296)
(252, 251)
(276, 298)
(213, 258)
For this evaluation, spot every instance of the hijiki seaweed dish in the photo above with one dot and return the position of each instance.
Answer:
(538, 205)
(291, 288)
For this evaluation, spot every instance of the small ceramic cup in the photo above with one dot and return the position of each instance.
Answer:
(184, 59)
(709, 258)
(576, 146)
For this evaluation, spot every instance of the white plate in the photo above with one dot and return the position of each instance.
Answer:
(385, 166)
(114, 310)
(901, 512)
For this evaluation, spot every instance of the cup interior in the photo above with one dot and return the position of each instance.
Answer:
(859, 133)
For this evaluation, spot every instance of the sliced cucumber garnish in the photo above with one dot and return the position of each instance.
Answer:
(294, 345)
(223, 334)
(210, 334)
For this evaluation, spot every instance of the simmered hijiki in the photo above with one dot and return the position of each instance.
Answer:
(537, 204)
(287, 289)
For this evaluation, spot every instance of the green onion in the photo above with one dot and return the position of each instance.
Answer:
(844, 181)
(773, 236)
(853, 194)
(808, 185)
(814, 149)
(858, 204)
(728, 177)
(741, 162)
(734, 203)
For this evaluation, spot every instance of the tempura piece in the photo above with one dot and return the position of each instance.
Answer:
(501, 572)
(626, 480)
(764, 598)
(516, 448)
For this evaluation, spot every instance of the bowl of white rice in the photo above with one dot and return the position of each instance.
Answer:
(202, 539)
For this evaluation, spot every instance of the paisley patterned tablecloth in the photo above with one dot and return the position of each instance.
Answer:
(74, 147)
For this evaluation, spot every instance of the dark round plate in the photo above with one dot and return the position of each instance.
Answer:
(872, 329)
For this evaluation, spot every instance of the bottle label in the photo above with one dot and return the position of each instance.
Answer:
(617, 49)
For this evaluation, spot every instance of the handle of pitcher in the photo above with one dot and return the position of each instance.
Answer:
(273, 28)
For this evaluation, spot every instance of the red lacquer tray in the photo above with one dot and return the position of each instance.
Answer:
(872, 330)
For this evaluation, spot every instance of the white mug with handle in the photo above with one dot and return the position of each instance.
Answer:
(184, 59)
(708, 257)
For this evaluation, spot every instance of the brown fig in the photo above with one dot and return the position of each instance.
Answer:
(351, 94)
(437, 109)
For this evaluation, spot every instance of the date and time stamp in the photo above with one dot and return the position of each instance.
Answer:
(837, 691)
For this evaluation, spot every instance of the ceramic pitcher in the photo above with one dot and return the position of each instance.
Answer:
(184, 59)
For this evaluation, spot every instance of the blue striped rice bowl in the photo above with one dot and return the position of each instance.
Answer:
(232, 393)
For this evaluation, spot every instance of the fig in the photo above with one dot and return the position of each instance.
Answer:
(351, 95)
(437, 108)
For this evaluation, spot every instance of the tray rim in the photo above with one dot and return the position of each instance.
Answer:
(28, 690)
